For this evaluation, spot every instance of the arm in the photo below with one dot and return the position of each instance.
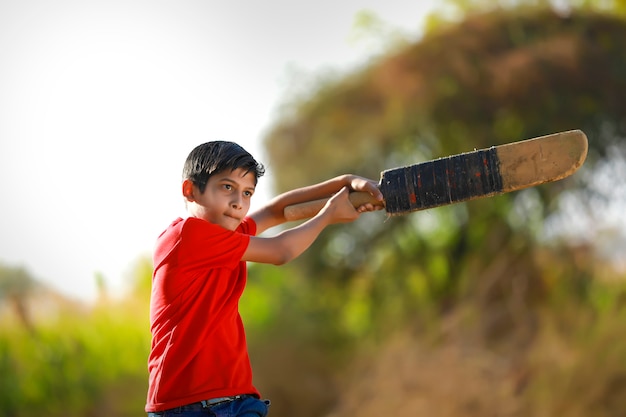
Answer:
(289, 244)
(272, 214)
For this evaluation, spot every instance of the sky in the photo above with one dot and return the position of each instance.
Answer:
(101, 101)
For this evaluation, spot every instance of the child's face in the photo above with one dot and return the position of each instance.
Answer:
(226, 199)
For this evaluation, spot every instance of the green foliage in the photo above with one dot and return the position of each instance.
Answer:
(16, 285)
(500, 74)
(495, 77)
(267, 292)
(141, 279)
(70, 366)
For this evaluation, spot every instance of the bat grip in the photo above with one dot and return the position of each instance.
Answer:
(309, 209)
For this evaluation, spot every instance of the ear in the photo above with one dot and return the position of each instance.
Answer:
(188, 190)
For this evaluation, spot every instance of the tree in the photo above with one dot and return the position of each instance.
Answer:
(16, 285)
(496, 77)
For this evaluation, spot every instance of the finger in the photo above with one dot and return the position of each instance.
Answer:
(377, 194)
(368, 207)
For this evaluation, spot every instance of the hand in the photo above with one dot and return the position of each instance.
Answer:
(340, 209)
(357, 183)
(362, 184)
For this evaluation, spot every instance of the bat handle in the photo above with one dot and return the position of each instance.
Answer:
(309, 209)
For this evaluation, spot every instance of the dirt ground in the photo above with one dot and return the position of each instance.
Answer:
(409, 380)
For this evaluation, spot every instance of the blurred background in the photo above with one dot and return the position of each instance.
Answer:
(507, 306)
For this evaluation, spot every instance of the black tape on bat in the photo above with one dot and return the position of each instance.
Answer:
(443, 181)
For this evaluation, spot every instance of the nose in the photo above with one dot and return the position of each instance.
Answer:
(236, 203)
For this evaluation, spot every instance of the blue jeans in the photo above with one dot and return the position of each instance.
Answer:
(243, 407)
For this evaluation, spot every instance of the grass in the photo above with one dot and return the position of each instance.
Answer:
(70, 365)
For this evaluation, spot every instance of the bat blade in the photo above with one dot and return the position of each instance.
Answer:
(483, 173)
(467, 176)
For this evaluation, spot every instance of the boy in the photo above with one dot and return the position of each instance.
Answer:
(198, 362)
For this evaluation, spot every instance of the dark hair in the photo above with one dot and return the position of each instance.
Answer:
(217, 156)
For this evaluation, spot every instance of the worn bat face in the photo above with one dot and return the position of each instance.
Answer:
(483, 173)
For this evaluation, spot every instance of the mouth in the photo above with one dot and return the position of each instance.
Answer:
(237, 219)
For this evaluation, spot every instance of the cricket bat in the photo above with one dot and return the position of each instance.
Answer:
(467, 176)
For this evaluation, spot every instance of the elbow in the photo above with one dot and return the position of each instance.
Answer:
(284, 253)
(279, 262)
(282, 257)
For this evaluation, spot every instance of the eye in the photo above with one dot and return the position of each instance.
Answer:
(227, 187)
(248, 193)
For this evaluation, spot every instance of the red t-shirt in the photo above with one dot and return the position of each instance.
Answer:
(198, 348)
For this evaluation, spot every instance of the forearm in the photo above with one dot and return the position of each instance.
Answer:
(272, 214)
(312, 192)
(291, 243)
(288, 244)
